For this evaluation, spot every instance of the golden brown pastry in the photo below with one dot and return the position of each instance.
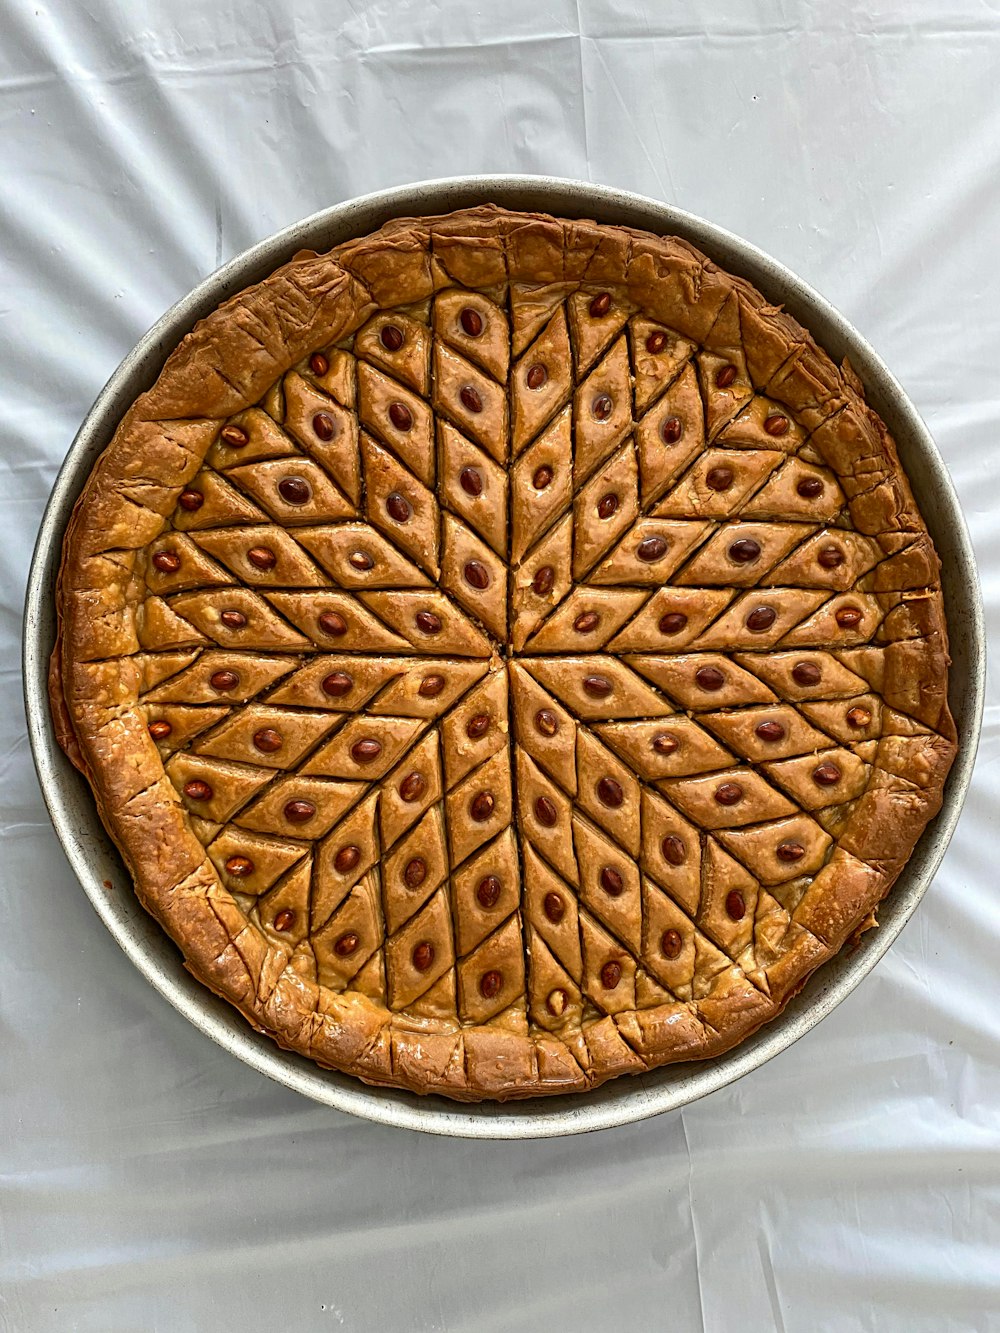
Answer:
(507, 654)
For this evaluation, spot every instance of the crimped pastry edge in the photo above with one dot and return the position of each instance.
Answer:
(225, 364)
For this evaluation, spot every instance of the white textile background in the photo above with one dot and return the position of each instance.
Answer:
(148, 1181)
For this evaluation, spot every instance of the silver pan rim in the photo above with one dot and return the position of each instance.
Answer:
(108, 885)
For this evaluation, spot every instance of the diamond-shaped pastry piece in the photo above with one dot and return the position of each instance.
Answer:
(602, 411)
(780, 851)
(586, 620)
(608, 978)
(293, 491)
(604, 509)
(412, 787)
(219, 676)
(541, 382)
(344, 856)
(249, 863)
(296, 806)
(541, 483)
(336, 621)
(550, 904)
(271, 737)
(847, 720)
(472, 400)
(473, 486)
(607, 790)
(215, 789)
(479, 807)
(840, 622)
(758, 618)
(670, 434)
(545, 816)
(664, 748)
(702, 680)
(725, 387)
(532, 305)
(430, 621)
(237, 618)
(476, 327)
(476, 727)
(400, 506)
(544, 728)
(834, 558)
(554, 999)
(176, 563)
(727, 799)
(159, 627)
(492, 977)
(400, 346)
(420, 953)
(651, 552)
(597, 687)
(179, 724)
(262, 556)
(359, 557)
(671, 620)
(717, 483)
(769, 731)
(829, 777)
(349, 938)
(400, 418)
(485, 890)
(337, 378)
(259, 437)
(762, 424)
(739, 554)
(326, 431)
(803, 674)
(595, 318)
(797, 490)
(658, 355)
(211, 502)
(429, 687)
(609, 883)
(414, 868)
(541, 581)
(671, 850)
(669, 949)
(365, 748)
(283, 911)
(154, 669)
(340, 683)
(474, 575)
(728, 900)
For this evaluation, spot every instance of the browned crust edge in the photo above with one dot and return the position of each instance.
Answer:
(225, 364)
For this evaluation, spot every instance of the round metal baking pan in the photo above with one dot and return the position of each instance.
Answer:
(108, 884)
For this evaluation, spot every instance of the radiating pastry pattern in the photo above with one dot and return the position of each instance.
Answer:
(523, 653)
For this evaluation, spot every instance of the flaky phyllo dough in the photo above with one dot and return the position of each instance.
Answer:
(507, 654)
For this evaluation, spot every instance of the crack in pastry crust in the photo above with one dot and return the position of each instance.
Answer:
(507, 654)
